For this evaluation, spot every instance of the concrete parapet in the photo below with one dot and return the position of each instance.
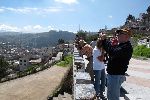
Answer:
(137, 97)
(83, 78)
(84, 92)
(83, 88)
(79, 63)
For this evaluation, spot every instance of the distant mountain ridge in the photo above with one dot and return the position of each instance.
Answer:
(37, 40)
(9, 33)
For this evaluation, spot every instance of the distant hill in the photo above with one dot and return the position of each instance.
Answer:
(9, 33)
(38, 40)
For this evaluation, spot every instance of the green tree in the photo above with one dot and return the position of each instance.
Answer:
(91, 38)
(148, 14)
(61, 41)
(130, 18)
(144, 16)
(82, 34)
(148, 10)
(3, 67)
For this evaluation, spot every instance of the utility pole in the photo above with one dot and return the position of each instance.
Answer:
(79, 27)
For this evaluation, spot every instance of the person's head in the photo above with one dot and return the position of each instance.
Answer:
(94, 39)
(99, 43)
(77, 35)
(100, 33)
(123, 35)
(82, 43)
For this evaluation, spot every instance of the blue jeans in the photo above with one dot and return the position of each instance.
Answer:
(99, 83)
(113, 86)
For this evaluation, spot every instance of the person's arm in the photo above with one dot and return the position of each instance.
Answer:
(107, 45)
(91, 43)
(124, 51)
(101, 57)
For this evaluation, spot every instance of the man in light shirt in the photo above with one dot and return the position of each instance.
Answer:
(87, 50)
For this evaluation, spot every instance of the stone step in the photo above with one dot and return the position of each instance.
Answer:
(82, 78)
(122, 98)
(66, 96)
(55, 98)
(137, 97)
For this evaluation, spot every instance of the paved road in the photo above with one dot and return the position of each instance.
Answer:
(138, 80)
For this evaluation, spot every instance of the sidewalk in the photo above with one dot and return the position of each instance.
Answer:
(137, 82)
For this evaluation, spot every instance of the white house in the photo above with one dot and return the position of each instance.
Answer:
(46, 51)
(23, 63)
(144, 41)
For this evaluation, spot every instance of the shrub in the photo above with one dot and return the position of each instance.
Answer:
(67, 60)
(141, 51)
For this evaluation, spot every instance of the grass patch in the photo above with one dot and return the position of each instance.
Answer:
(139, 57)
(67, 61)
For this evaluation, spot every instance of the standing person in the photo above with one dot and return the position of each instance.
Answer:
(77, 39)
(119, 57)
(105, 54)
(93, 43)
(86, 49)
(99, 69)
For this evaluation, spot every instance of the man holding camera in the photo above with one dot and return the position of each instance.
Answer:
(119, 57)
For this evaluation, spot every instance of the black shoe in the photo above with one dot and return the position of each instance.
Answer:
(103, 97)
(98, 97)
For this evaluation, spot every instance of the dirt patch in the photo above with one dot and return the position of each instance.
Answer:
(33, 87)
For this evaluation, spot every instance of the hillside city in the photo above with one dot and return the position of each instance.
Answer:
(19, 58)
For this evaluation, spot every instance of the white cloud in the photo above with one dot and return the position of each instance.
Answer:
(27, 28)
(29, 10)
(67, 1)
(4, 27)
(1, 10)
(33, 29)
(50, 28)
(51, 9)
(19, 10)
(110, 17)
(37, 27)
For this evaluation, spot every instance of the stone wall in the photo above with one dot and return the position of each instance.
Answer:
(83, 89)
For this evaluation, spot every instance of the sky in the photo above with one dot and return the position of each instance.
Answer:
(68, 15)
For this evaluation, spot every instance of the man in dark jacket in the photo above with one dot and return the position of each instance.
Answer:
(118, 61)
